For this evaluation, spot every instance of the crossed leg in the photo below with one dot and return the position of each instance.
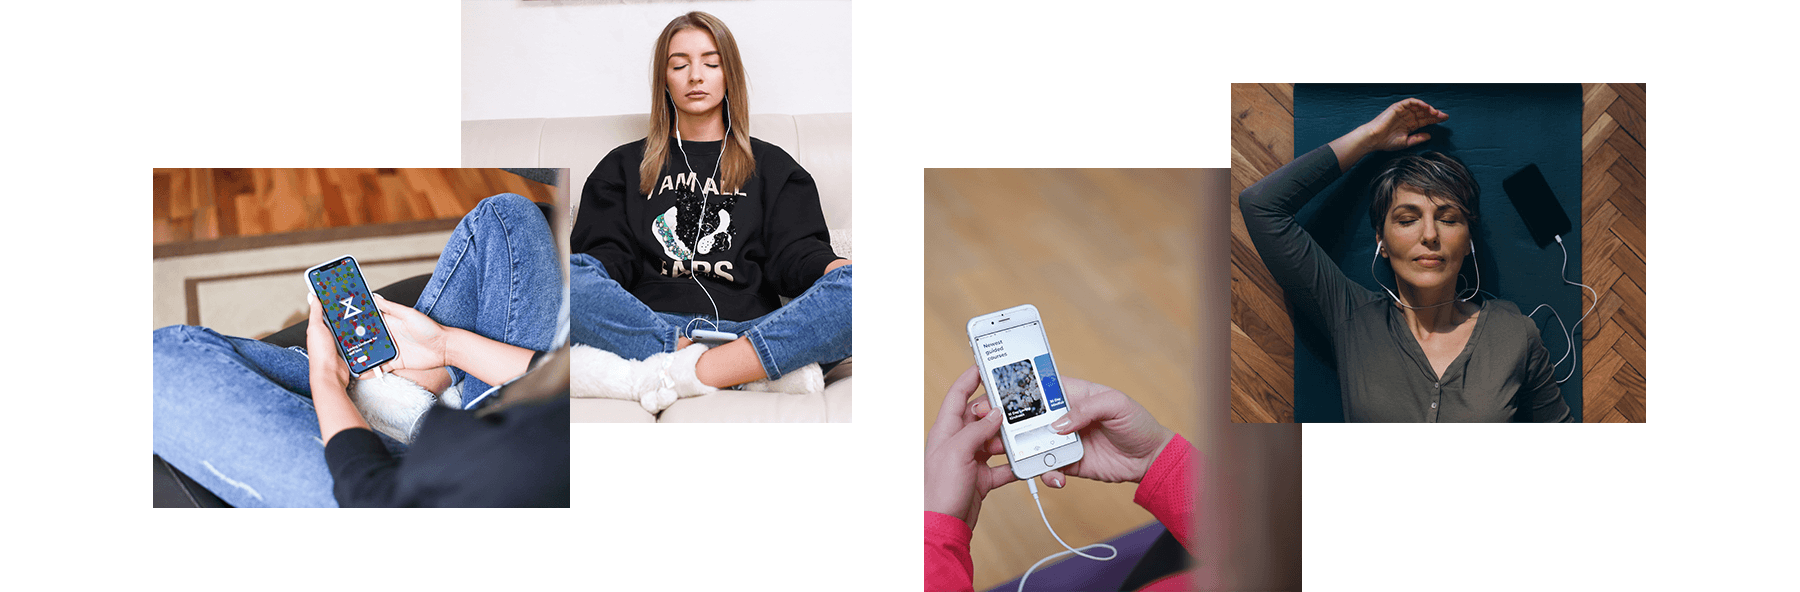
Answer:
(728, 365)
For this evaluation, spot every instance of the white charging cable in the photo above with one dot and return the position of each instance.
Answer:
(1569, 332)
(1034, 566)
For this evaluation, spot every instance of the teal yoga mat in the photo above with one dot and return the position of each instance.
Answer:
(1496, 129)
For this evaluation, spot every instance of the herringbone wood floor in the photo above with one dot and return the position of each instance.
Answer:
(1612, 252)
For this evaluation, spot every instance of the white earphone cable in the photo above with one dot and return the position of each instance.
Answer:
(694, 249)
(1034, 566)
(1452, 300)
(1568, 331)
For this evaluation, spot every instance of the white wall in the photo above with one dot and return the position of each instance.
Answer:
(567, 59)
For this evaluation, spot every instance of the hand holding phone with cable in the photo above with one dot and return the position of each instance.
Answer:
(1020, 376)
(1019, 373)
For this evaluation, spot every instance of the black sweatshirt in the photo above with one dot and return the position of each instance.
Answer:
(513, 458)
(766, 240)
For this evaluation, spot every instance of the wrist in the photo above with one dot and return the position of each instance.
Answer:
(1352, 147)
(329, 387)
(455, 342)
(1156, 452)
(325, 377)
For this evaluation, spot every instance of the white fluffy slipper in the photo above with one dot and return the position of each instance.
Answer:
(655, 382)
(808, 380)
(392, 405)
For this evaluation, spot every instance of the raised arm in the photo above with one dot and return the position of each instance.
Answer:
(1394, 129)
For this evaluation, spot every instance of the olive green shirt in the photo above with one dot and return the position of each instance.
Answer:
(1503, 374)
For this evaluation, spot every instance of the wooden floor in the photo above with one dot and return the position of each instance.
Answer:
(1107, 257)
(198, 205)
(1612, 251)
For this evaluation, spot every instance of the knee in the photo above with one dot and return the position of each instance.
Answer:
(585, 266)
(182, 335)
(508, 205)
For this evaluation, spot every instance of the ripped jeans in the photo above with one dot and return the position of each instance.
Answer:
(237, 415)
(813, 327)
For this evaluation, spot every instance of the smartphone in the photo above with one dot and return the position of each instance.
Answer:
(1020, 376)
(362, 338)
(1537, 205)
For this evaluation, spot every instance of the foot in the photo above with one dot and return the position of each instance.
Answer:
(809, 379)
(655, 382)
(391, 403)
(675, 374)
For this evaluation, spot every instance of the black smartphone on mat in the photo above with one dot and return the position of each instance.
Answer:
(1531, 195)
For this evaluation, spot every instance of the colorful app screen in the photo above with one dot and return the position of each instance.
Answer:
(350, 312)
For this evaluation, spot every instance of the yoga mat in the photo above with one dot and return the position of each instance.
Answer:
(1070, 572)
(1496, 129)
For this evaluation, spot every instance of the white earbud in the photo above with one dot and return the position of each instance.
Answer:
(1379, 247)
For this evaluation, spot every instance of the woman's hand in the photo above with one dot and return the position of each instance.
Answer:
(330, 376)
(326, 368)
(1393, 129)
(957, 476)
(1119, 438)
(422, 342)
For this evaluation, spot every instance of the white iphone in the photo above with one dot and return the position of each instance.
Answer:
(1020, 375)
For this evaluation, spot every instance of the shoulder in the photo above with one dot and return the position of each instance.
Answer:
(770, 157)
(631, 152)
(1505, 320)
(620, 161)
(774, 165)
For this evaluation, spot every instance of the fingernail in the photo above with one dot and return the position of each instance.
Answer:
(1061, 424)
(1059, 481)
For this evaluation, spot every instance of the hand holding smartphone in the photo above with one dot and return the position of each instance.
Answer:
(1019, 374)
(356, 326)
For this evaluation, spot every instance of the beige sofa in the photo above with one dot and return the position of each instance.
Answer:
(820, 143)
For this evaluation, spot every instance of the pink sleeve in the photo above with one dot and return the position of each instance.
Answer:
(947, 562)
(1170, 488)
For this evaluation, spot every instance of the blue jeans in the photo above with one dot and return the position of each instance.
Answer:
(815, 327)
(236, 414)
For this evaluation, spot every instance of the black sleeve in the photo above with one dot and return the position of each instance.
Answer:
(1313, 282)
(602, 228)
(363, 474)
(799, 242)
(1540, 397)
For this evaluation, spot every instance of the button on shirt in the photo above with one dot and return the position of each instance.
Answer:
(1502, 374)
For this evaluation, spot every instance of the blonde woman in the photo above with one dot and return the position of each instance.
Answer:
(702, 227)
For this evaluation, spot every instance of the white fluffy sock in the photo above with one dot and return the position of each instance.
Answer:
(655, 382)
(391, 404)
(807, 380)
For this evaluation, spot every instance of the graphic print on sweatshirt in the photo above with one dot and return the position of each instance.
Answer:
(698, 225)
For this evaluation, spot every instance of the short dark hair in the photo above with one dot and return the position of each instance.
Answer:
(1435, 174)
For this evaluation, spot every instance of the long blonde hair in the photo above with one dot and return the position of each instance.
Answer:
(738, 163)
